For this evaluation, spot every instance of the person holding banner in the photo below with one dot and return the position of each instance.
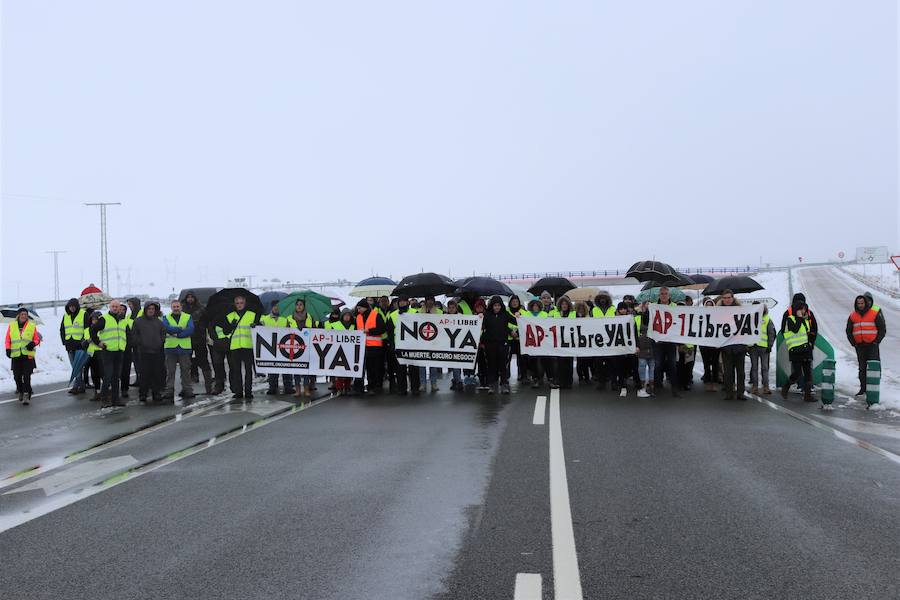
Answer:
(342, 385)
(666, 354)
(407, 376)
(496, 327)
(583, 363)
(711, 372)
(733, 358)
(564, 364)
(604, 366)
(433, 373)
(274, 319)
(515, 309)
(536, 363)
(372, 324)
(456, 381)
(300, 319)
(645, 353)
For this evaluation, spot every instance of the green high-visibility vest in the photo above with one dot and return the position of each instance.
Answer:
(764, 335)
(241, 337)
(464, 308)
(74, 328)
(339, 325)
(177, 342)
(19, 338)
(598, 312)
(556, 314)
(92, 347)
(801, 337)
(113, 334)
(272, 321)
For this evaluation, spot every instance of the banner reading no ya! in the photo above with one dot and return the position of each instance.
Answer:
(611, 336)
(428, 340)
(713, 326)
(284, 350)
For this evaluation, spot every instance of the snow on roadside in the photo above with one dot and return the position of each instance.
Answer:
(52, 363)
(884, 275)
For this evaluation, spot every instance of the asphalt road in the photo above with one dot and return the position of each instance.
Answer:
(449, 496)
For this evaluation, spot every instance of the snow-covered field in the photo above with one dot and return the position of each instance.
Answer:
(881, 275)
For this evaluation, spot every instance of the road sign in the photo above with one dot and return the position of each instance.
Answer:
(872, 254)
(821, 351)
(841, 254)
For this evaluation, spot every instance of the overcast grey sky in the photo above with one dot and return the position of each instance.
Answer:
(315, 140)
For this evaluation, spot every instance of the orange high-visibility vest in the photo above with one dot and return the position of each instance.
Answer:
(864, 329)
(370, 321)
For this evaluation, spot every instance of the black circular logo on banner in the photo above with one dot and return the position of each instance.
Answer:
(427, 331)
(291, 346)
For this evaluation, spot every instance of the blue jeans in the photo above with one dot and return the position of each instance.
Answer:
(434, 373)
(645, 369)
(78, 382)
(455, 374)
(307, 380)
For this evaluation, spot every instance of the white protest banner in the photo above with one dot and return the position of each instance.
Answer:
(713, 326)
(285, 350)
(555, 336)
(429, 340)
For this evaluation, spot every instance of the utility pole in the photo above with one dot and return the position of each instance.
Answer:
(104, 260)
(55, 254)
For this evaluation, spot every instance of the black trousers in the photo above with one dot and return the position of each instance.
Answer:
(536, 367)
(495, 355)
(151, 374)
(392, 369)
(710, 358)
(564, 372)
(129, 356)
(865, 352)
(583, 368)
(241, 358)
(219, 357)
(801, 371)
(665, 354)
(603, 370)
(94, 368)
(112, 373)
(200, 360)
(621, 366)
(733, 370)
(22, 367)
(375, 368)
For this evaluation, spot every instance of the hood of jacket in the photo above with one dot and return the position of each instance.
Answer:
(134, 304)
(73, 306)
(867, 304)
(158, 310)
(870, 301)
(603, 300)
(797, 301)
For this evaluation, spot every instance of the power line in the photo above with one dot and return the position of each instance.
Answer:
(104, 260)
(55, 254)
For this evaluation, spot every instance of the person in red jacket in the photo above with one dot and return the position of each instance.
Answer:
(22, 338)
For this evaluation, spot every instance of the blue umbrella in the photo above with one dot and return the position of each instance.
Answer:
(267, 297)
(81, 359)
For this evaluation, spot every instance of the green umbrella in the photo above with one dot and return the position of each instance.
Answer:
(317, 305)
(652, 295)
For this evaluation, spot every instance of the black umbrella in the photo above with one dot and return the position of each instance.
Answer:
(676, 280)
(222, 302)
(739, 284)
(424, 284)
(651, 270)
(555, 285)
(483, 286)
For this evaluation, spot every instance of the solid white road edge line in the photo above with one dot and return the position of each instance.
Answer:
(9, 521)
(566, 578)
(836, 432)
(540, 406)
(528, 586)
(35, 395)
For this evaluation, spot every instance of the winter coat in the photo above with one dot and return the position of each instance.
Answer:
(496, 327)
(198, 315)
(798, 300)
(72, 308)
(879, 320)
(148, 334)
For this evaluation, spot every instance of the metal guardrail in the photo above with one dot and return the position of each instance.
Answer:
(614, 273)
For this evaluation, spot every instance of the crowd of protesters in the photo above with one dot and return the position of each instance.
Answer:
(187, 343)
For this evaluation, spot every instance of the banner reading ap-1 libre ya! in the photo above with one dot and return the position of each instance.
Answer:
(284, 350)
(429, 340)
(713, 326)
(555, 336)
